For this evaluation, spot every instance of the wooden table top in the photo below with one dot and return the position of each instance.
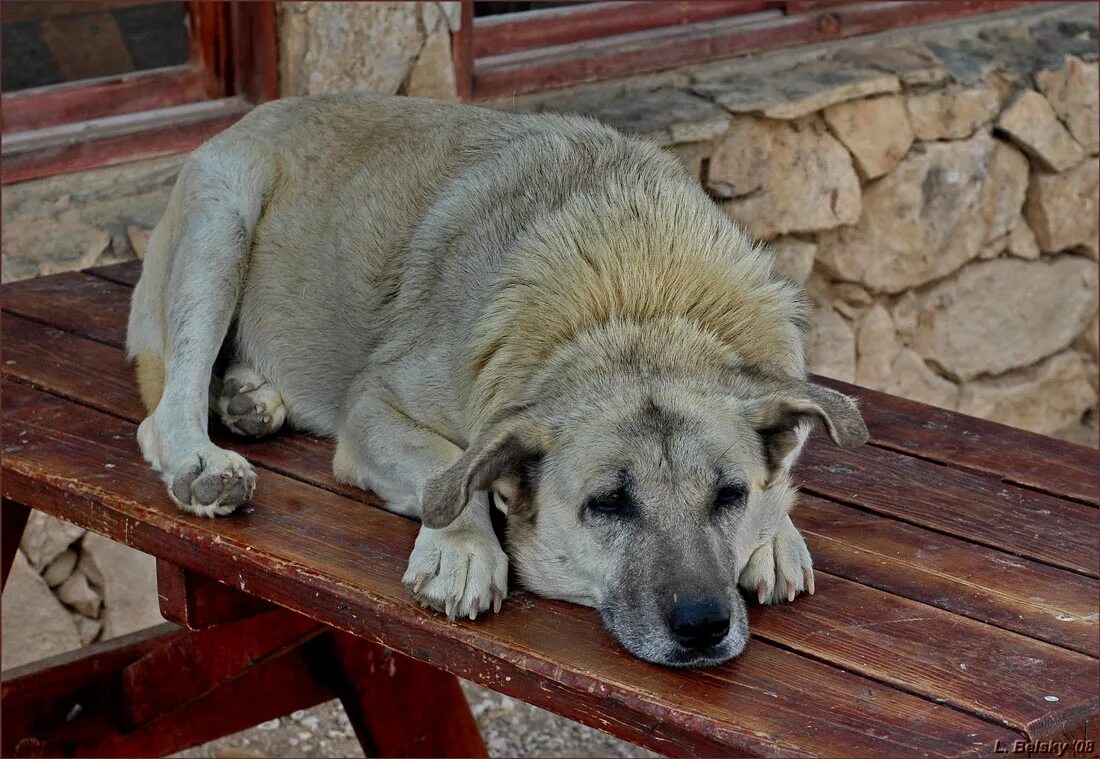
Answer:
(956, 565)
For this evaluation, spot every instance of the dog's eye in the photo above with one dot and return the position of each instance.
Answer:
(615, 503)
(730, 497)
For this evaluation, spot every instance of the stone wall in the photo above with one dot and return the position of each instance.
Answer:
(935, 190)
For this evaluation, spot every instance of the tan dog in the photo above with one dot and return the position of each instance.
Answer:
(528, 310)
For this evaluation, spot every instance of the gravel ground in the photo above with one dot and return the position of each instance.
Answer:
(510, 728)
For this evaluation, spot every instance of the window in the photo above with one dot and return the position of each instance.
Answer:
(541, 46)
(94, 83)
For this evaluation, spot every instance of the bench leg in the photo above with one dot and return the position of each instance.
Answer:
(400, 706)
(13, 519)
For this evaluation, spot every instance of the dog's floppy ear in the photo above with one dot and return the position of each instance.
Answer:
(788, 419)
(496, 454)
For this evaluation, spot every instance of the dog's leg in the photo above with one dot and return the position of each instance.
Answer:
(247, 403)
(460, 569)
(218, 200)
(781, 568)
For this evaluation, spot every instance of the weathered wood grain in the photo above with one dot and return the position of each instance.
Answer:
(1014, 455)
(340, 562)
(1004, 589)
(968, 505)
(400, 706)
(982, 583)
(1017, 456)
(196, 602)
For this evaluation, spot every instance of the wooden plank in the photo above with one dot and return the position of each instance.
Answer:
(329, 557)
(400, 706)
(157, 140)
(41, 697)
(1016, 456)
(197, 663)
(969, 505)
(127, 273)
(63, 103)
(196, 602)
(1000, 675)
(980, 583)
(508, 32)
(658, 49)
(976, 507)
(13, 518)
(927, 432)
(1015, 593)
(74, 302)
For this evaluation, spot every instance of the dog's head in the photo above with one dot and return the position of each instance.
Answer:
(645, 497)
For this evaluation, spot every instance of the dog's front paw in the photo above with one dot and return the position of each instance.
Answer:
(459, 571)
(210, 482)
(781, 568)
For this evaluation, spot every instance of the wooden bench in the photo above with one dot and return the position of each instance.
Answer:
(956, 606)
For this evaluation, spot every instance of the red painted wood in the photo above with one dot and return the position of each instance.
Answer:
(13, 518)
(400, 706)
(80, 156)
(509, 32)
(39, 698)
(462, 49)
(200, 662)
(196, 602)
(329, 557)
(62, 104)
(665, 48)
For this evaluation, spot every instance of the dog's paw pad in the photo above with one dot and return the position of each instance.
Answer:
(248, 405)
(461, 573)
(211, 483)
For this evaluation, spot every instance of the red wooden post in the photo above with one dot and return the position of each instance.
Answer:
(12, 523)
(400, 706)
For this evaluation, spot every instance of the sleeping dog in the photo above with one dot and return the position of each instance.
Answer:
(533, 313)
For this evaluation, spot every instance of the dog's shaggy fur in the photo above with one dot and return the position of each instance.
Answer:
(533, 310)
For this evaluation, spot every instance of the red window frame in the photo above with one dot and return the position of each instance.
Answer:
(86, 124)
(536, 50)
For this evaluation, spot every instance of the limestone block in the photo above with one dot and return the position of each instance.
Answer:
(330, 47)
(794, 258)
(786, 177)
(832, 347)
(1072, 93)
(1043, 398)
(47, 537)
(930, 215)
(1061, 208)
(910, 377)
(799, 91)
(128, 581)
(34, 623)
(951, 114)
(59, 570)
(875, 131)
(433, 74)
(1032, 124)
(79, 594)
(1004, 314)
(876, 347)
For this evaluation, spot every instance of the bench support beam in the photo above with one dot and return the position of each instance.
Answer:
(166, 689)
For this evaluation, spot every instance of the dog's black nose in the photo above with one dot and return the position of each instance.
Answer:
(699, 622)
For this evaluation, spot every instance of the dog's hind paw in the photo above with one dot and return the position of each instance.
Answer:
(780, 569)
(211, 482)
(248, 404)
(461, 572)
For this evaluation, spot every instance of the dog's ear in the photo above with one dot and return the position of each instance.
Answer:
(788, 419)
(497, 456)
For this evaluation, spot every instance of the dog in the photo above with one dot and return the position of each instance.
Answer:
(527, 312)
